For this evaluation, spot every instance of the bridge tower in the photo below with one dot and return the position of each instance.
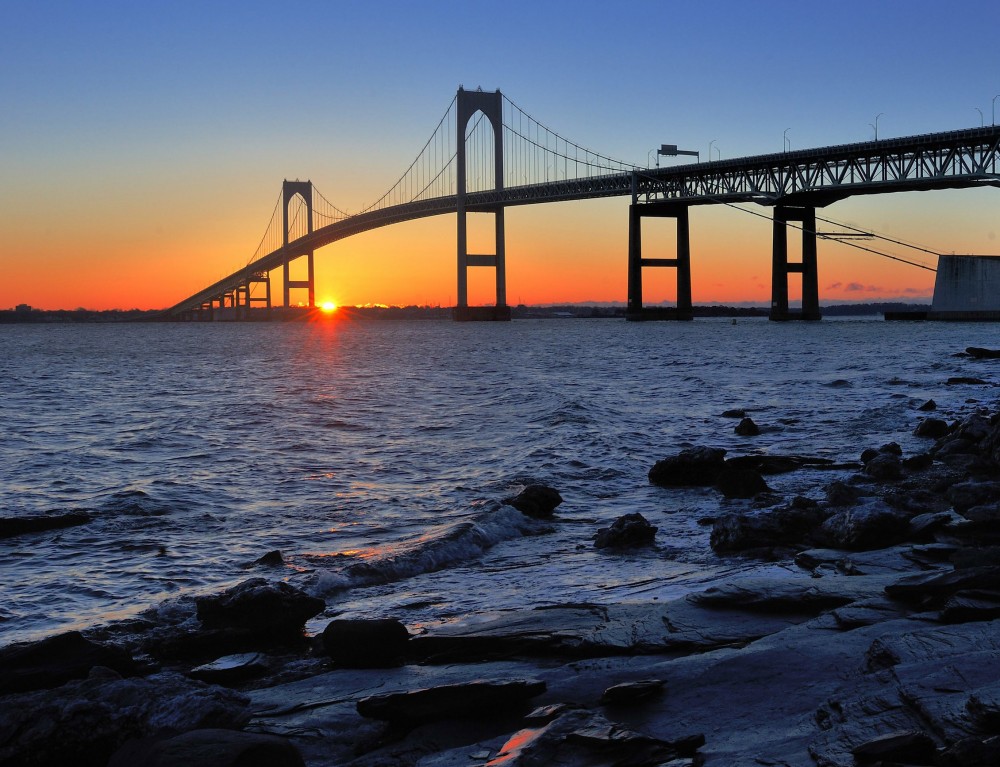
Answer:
(635, 311)
(781, 268)
(491, 105)
(288, 191)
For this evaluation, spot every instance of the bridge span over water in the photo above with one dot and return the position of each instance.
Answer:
(487, 154)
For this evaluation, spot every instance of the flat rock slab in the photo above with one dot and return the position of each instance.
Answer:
(12, 526)
(469, 699)
(210, 748)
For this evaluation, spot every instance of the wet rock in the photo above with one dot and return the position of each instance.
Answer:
(869, 526)
(762, 595)
(928, 406)
(628, 531)
(972, 752)
(11, 526)
(964, 380)
(867, 454)
(932, 589)
(911, 747)
(884, 467)
(537, 501)
(453, 701)
(231, 669)
(972, 605)
(694, 467)
(55, 660)
(270, 559)
(210, 748)
(775, 527)
(735, 413)
(924, 526)
(747, 428)
(85, 722)
(741, 483)
(919, 462)
(965, 495)
(842, 494)
(982, 354)
(891, 448)
(628, 693)
(779, 464)
(978, 556)
(273, 610)
(376, 643)
(932, 427)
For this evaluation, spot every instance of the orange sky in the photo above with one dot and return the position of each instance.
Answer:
(565, 252)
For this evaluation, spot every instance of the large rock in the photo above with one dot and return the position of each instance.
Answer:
(741, 483)
(932, 427)
(377, 643)
(56, 660)
(11, 526)
(628, 531)
(774, 527)
(933, 588)
(747, 428)
(884, 467)
(274, 610)
(210, 748)
(694, 467)
(863, 527)
(452, 701)
(912, 747)
(84, 722)
(537, 501)
(965, 495)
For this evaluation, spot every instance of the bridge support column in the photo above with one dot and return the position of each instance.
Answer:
(289, 190)
(682, 263)
(781, 268)
(491, 105)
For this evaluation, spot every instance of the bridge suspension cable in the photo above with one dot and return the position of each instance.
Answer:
(536, 154)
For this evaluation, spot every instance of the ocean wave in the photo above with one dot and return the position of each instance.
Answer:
(436, 550)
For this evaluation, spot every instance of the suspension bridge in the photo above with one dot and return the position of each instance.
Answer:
(487, 154)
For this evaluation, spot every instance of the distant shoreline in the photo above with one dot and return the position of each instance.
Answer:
(567, 311)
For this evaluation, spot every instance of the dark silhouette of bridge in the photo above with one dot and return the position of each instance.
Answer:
(487, 154)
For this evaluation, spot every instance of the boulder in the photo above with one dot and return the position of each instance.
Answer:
(85, 722)
(272, 610)
(965, 495)
(210, 748)
(964, 380)
(928, 406)
(55, 660)
(231, 669)
(741, 483)
(375, 643)
(911, 747)
(934, 428)
(861, 528)
(775, 527)
(628, 531)
(841, 494)
(735, 413)
(747, 428)
(884, 467)
(982, 354)
(919, 462)
(972, 752)
(451, 701)
(270, 559)
(11, 526)
(694, 467)
(934, 588)
(537, 501)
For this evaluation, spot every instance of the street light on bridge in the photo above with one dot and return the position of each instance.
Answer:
(785, 143)
(875, 126)
(982, 120)
(993, 120)
(710, 149)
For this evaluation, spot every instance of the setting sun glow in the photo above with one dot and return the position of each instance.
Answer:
(328, 307)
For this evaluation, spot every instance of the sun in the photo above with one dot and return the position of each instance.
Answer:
(328, 306)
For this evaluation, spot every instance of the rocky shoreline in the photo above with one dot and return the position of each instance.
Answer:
(875, 641)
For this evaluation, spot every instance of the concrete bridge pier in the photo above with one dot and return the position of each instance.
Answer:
(289, 189)
(491, 105)
(781, 268)
(682, 263)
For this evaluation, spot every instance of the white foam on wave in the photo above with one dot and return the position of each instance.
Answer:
(438, 549)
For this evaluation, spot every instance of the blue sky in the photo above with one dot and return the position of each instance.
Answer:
(150, 115)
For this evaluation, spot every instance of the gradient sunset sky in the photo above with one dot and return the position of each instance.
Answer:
(142, 145)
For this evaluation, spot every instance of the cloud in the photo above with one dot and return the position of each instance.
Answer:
(916, 291)
(857, 287)
(835, 285)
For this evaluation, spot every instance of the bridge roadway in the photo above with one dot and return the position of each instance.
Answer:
(790, 181)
